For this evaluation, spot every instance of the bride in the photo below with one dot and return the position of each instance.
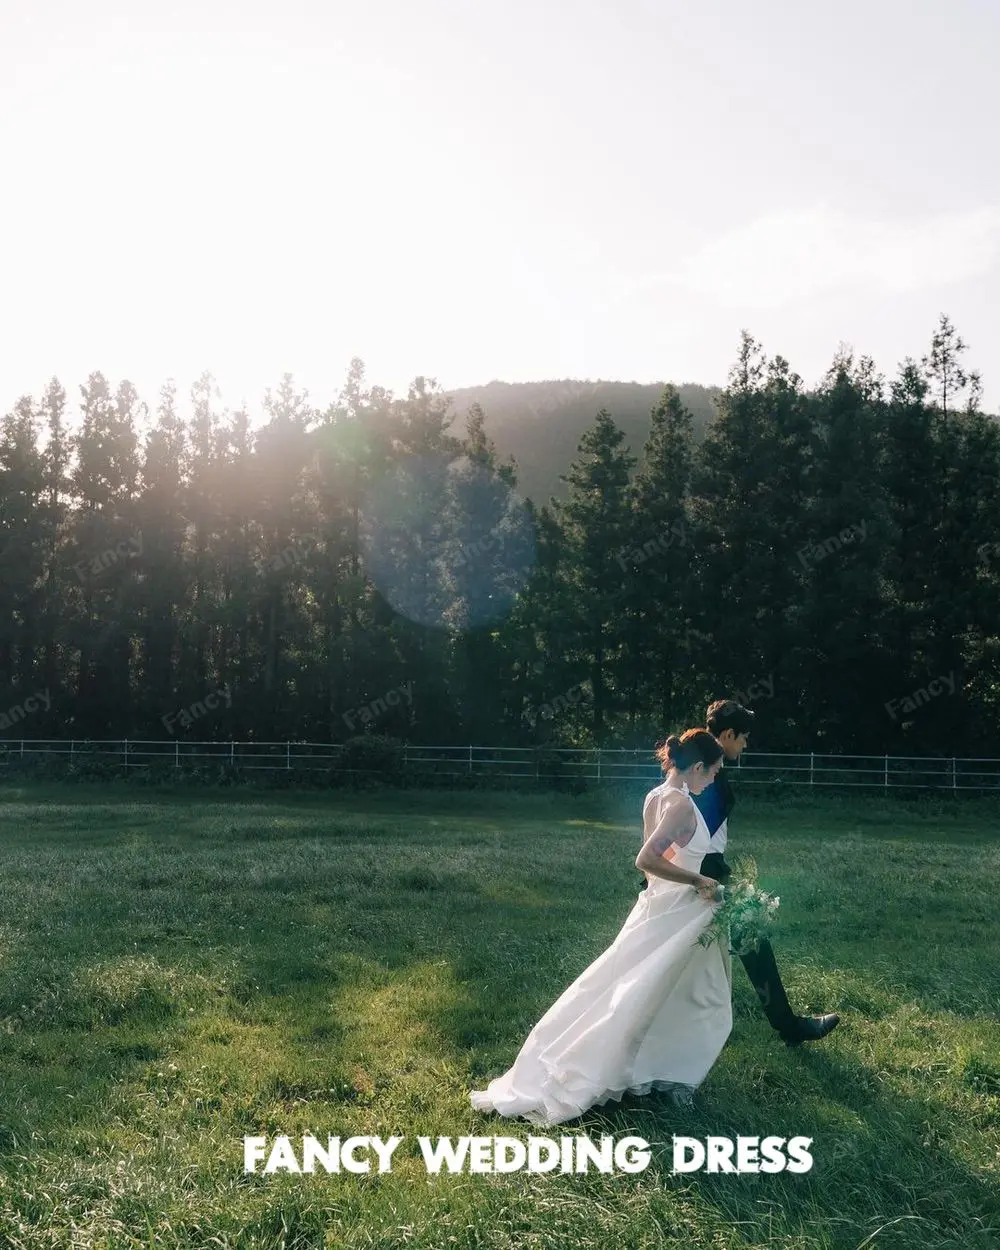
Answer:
(655, 1010)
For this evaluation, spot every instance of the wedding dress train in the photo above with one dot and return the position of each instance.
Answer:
(653, 1012)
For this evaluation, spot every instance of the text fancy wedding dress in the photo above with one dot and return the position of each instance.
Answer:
(653, 1012)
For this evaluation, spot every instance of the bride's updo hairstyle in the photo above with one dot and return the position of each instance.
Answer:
(692, 747)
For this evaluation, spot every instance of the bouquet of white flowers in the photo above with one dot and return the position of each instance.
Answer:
(746, 914)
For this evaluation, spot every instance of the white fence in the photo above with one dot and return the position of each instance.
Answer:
(531, 763)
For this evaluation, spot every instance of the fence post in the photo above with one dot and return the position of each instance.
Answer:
(886, 773)
(812, 763)
(954, 778)
(232, 752)
(177, 753)
(125, 754)
(72, 749)
(598, 763)
(470, 757)
(22, 748)
(288, 754)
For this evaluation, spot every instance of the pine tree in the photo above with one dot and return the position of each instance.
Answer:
(405, 542)
(961, 613)
(107, 541)
(353, 453)
(24, 545)
(242, 569)
(162, 531)
(595, 525)
(282, 448)
(53, 515)
(197, 672)
(943, 370)
(728, 496)
(658, 575)
(535, 641)
(846, 663)
(488, 559)
(931, 468)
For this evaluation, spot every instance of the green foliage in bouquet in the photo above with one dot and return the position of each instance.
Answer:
(746, 915)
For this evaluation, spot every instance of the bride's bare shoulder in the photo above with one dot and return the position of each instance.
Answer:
(663, 793)
(660, 802)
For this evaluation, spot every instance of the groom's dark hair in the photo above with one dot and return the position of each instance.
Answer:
(726, 714)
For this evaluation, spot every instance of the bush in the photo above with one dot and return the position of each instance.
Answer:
(374, 754)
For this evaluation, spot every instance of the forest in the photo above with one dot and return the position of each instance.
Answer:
(832, 556)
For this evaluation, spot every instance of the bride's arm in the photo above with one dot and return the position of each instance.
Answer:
(676, 825)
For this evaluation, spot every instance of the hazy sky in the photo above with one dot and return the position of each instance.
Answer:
(521, 190)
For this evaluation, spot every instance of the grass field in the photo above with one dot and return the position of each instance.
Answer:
(181, 970)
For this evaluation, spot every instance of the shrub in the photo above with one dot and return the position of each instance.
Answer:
(375, 754)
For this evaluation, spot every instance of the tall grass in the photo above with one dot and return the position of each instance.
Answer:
(181, 971)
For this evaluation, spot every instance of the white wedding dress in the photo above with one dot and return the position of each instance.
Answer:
(653, 1012)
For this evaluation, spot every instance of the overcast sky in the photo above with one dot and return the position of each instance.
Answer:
(522, 190)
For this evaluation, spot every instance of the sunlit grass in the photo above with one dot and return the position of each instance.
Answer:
(181, 971)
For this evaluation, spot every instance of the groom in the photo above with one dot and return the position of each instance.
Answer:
(730, 723)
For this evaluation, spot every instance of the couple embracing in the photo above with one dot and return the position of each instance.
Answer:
(654, 1011)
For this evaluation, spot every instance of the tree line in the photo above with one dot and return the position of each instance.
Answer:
(830, 556)
(540, 424)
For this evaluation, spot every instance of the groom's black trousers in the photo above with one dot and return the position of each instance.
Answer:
(760, 965)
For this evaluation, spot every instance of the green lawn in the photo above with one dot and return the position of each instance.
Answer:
(181, 970)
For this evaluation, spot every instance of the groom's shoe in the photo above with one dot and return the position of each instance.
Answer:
(766, 980)
(811, 1028)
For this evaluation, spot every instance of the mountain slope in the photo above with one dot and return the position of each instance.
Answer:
(540, 423)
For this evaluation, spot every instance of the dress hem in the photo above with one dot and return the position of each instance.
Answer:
(482, 1101)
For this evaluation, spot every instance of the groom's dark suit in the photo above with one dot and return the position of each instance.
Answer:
(715, 803)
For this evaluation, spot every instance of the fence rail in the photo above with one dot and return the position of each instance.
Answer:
(539, 763)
